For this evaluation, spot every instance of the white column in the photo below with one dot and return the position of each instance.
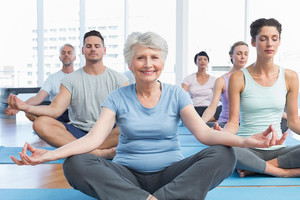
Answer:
(82, 31)
(181, 40)
(40, 42)
(246, 25)
(126, 26)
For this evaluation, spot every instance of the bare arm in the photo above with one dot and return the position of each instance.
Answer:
(208, 136)
(87, 143)
(292, 84)
(185, 87)
(211, 109)
(35, 100)
(38, 98)
(235, 88)
(55, 109)
(93, 139)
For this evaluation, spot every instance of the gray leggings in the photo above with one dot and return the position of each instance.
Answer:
(255, 160)
(190, 178)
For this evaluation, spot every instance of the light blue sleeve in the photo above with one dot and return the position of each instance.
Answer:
(184, 99)
(110, 101)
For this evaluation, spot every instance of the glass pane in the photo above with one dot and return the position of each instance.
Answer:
(213, 27)
(107, 17)
(159, 17)
(61, 26)
(18, 42)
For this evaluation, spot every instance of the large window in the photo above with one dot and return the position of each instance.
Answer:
(61, 26)
(16, 39)
(108, 18)
(213, 27)
(159, 17)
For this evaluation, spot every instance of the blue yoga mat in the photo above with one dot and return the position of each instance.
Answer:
(235, 193)
(42, 194)
(191, 150)
(259, 180)
(182, 130)
(254, 193)
(190, 141)
(6, 152)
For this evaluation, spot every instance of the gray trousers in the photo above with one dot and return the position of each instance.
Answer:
(190, 178)
(255, 160)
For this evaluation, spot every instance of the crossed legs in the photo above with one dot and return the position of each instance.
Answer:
(283, 162)
(56, 134)
(190, 178)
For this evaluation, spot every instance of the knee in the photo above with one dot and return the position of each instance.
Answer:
(225, 156)
(75, 163)
(40, 123)
(78, 165)
(74, 168)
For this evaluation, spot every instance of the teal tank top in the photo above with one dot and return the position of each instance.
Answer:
(261, 106)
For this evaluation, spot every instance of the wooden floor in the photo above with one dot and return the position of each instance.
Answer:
(14, 133)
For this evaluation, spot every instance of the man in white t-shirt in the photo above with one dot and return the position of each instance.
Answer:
(51, 86)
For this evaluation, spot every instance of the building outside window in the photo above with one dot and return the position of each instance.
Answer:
(213, 26)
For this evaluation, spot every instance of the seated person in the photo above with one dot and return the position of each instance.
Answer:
(83, 92)
(52, 84)
(148, 164)
(259, 94)
(200, 86)
(238, 56)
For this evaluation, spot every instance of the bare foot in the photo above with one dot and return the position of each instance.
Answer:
(243, 173)
(105, 153)
(151, 197)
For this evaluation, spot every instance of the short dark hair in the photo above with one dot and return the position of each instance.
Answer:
(93, 33)
(201, 53)
(257, 25)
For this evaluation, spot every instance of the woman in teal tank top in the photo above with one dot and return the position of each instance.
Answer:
(259, 94)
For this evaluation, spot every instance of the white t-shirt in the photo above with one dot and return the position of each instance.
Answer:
(52, 84)
(201, 95)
